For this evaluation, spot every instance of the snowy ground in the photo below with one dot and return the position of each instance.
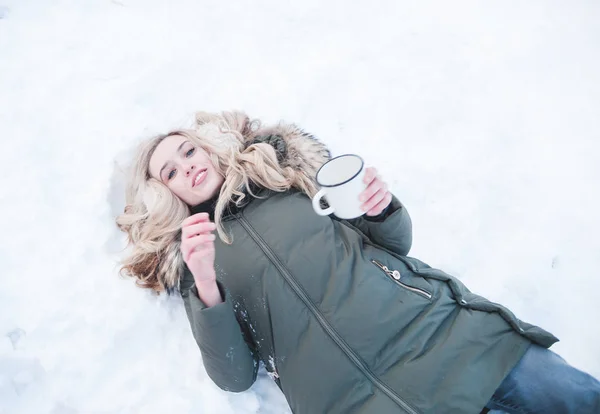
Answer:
(483, 116)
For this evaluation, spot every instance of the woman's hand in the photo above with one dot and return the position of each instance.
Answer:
(198, 249)
(376, 197)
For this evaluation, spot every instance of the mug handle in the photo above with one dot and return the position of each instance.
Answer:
(316, 203)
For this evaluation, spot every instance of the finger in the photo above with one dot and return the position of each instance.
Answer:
(201, 253)
(378, 209)
(374, 200)
(370, 174)
(203, 238)
(199, 242)
(372, 189)
(195, 218)
(206, 245)
(200, 228)
(186, 250)
(196, 243)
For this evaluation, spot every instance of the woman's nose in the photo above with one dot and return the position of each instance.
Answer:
(190, 170)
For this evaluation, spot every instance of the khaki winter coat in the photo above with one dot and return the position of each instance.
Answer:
(342, 318)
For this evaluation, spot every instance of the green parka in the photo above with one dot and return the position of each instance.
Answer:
(344, 320)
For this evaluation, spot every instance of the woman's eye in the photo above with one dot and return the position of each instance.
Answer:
(171, 174)
(190, 152)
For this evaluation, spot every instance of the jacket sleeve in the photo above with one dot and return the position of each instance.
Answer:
(228, 360)
(393, 230)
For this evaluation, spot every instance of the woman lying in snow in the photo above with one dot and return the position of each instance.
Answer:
(342, 318)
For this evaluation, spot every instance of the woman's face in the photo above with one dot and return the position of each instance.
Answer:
(185, 169)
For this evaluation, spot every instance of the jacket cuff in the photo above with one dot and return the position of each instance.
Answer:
(198, 304)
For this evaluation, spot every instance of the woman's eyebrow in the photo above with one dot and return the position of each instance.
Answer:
(178, 149)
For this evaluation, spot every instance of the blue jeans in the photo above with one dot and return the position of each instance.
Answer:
(542, 382)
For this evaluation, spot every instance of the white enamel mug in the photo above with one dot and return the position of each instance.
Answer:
(341, 181)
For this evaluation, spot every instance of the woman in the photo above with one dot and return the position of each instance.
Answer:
(343, 320)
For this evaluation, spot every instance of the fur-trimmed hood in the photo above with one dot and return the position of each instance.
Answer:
(301, 151)
(295, 148)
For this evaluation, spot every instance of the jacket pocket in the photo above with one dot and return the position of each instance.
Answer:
(395, 276)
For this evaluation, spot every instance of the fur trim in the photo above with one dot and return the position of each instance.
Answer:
(304, 152)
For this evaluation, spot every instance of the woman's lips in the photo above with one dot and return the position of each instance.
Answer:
(199, 177)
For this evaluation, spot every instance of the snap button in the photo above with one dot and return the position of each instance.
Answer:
(463, 302)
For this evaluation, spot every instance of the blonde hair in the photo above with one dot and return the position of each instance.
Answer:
(153, 214)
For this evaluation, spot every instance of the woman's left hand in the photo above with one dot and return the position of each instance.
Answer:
(376, 197)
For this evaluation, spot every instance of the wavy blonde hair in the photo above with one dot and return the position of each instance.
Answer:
(153, 215)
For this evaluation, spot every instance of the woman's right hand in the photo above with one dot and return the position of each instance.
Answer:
(198, 247)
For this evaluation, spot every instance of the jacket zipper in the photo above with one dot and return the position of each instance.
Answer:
(322, 321)
(395, 275)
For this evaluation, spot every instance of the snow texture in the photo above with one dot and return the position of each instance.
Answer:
(484, 117)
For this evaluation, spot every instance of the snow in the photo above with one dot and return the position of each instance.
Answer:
(482, 116)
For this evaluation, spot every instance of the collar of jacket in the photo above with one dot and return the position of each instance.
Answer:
(232, 209)
(206, 207)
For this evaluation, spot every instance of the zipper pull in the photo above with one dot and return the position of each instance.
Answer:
(392, 273)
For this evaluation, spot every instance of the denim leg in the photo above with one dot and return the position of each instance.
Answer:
(543, 382)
